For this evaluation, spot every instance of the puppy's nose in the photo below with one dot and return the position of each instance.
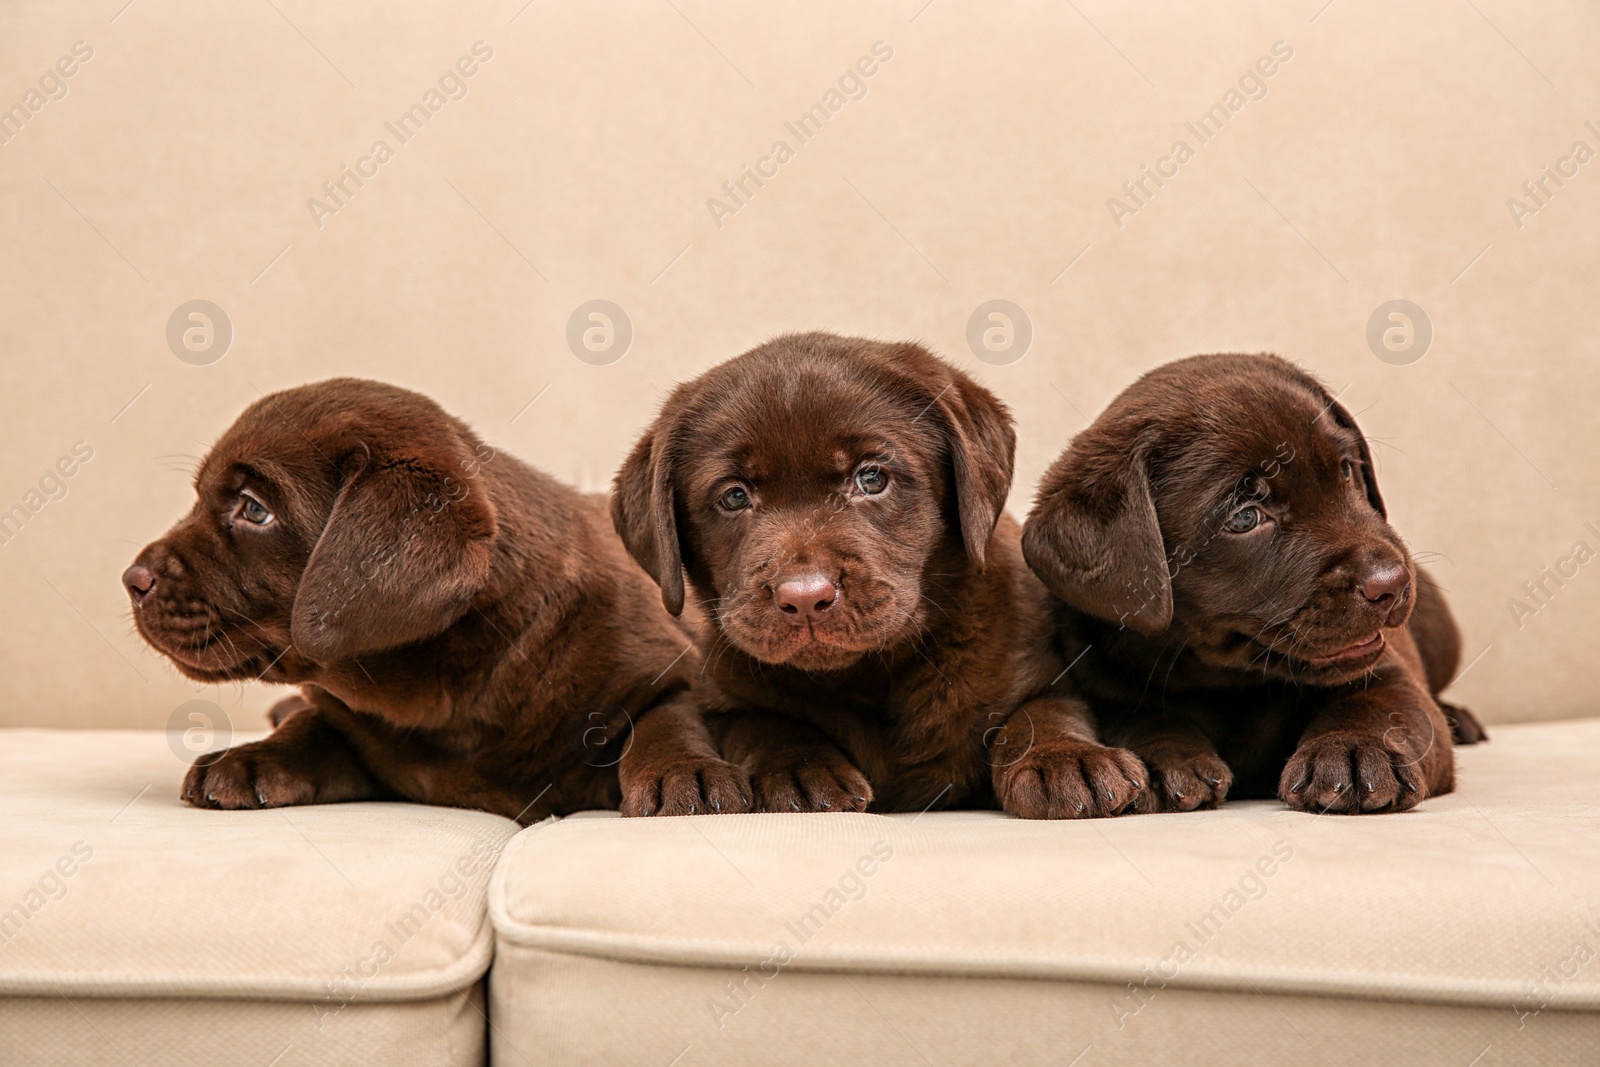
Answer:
(806, 598)
(139, 580)
(1385, 584)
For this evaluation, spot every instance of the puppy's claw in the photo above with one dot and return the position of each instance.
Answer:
(1350, 773)
(1184, 780)
(1070, 780)
(820, 784)
(692, 787)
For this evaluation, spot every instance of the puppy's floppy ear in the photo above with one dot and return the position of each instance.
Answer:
(404, 551)
(1093, 537)
(1369, 476)
(644, 511)
(983, 448)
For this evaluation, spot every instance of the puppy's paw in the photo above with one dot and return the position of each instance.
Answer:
(1351, 774)
(816, 785)
(688, 787)
(1185, 782)
(1071, 780)
(250, 776)
(1465, 729)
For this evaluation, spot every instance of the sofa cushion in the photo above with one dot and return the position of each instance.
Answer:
(1483, 905)
(112, 888)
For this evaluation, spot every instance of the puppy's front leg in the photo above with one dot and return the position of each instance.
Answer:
(1048, 764)
(1384, 748)
(304, 761)
(671, 766)
(792, 766)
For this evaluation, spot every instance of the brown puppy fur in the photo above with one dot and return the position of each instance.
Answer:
(464, 630)
(836, 505)
(1248, 620)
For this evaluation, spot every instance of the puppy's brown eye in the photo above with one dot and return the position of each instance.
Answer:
(735, 499)
(254, 511)
(1244, 520)
(872, 480)
(1346, 469)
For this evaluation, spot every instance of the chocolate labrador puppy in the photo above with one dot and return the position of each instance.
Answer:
(464, 630)
(836, 506)
(1239, 610)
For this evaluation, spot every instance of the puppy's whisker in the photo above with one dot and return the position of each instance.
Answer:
(936, 604)
(1167, 681)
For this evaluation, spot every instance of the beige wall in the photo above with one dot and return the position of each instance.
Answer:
(978, 165)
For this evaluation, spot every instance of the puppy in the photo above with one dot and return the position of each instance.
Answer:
(876, 639)
(464, 630)
(1239, 610)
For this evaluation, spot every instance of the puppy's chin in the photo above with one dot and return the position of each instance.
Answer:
(826, 647)
(212, 656)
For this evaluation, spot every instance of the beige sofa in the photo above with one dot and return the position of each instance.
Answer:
(144, 932)
(936, 158)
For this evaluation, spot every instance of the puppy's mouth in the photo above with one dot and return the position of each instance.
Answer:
(197, 643)
(1359, 653)
(1321, 661)
(1307, 661)
(832, 643)
(811, 647)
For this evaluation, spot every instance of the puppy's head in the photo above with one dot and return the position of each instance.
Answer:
(1231, 501)
(815, 489)
(332, 520)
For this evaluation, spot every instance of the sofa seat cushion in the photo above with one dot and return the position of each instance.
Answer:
(113, 888)
(1480, 912)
